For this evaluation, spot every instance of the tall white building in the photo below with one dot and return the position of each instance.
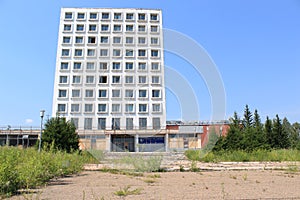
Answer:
(110, 77)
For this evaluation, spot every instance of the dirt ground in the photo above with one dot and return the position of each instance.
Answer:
(174, 185)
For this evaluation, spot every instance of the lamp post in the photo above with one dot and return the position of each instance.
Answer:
(42, 112)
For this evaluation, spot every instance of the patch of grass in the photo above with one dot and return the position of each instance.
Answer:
(154, 176)
(126, 191)
(149, 181)
(292, 168)
(245, 177)
(122, 172)
(141, 163)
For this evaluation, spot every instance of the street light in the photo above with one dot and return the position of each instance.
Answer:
(42, 112)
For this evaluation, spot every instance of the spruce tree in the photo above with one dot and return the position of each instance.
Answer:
(268, 129)
(248, 118)
(287, 130)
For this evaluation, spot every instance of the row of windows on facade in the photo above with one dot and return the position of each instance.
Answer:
(92, 40)
(93, 28)
(116, 123)
(115, 108)
(115, 53)
(104, 79)
(115, 16)
(105, 66)
(115, 93)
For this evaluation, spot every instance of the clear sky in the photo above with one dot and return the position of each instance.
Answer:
(254, 44)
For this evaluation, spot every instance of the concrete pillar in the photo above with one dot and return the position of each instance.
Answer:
(136, 143)
(108, 142)
(167, 142)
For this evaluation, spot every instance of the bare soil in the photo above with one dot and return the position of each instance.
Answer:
(174, 185)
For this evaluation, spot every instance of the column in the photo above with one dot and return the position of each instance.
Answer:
(108, 142)
(136, 143)
(167, 142)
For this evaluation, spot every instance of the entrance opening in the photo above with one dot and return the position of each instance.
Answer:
(122, 143)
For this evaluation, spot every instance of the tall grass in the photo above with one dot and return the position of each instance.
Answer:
(27, 168)
(243, 156)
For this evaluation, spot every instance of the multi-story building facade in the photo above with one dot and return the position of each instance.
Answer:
(110, 77)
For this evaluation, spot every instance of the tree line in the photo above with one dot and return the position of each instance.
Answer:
(250, 134)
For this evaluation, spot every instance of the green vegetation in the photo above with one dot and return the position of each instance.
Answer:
(27, 168)
(61, 134)
(126, 191)
(141, 163)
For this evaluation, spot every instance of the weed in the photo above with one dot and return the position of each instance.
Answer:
(181, 168)
(154, 176)
(245, 177)
(194, 167)
(126, 191)
(292, 168)
(149, 181)
(233, 177)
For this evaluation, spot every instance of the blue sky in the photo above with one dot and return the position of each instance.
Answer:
(255, 45)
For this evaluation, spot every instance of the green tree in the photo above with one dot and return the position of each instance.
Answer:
(295, 136)
(213, 137)
(287, 130)
(61, 134)
(268, 129)
(248, 118)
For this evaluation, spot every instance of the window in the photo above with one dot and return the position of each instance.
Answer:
(116, 52)
(142, 40)
(104, 52)
(78, 52)
(154, 29)
(117, 40)
(116, 108)
(61, 107)
(129, 53)
(66, 40)
(90, 79)
(93, 16)
(101, 123)
(155, 79)
(117, 16)
(104, 40)
(103, 79)
(80, 16)
(128, 93)
(129, 66)
(129, 40)
(129, 16)
(142, 79)
(142, 123)
(88, 107)
(154, 53)
(92, 27)
(142, 107)
(143, 93)
(102, 93)
(156, 93)
(116, 79)
(156, 107)
(154, 40)
(102, 108)
(116, 65)
(75, 121)
(68, 15)
(91, 52)
(76, 79)
(75, 93)
(105, 27)
(75, 108)
(65, 52)
(67, 27)
(103, 66)
(142, 66)
(129, 108)
(154, 66)
(129, 123)
(116, 93)
(62, 93)
(89, 93)
(79, 40)
(129, 28)
(77, 65)
(142, 52)
(90, 66)
(156, 123)
(64, 66)
(88, 123)
(92, 40)
(142, 16)
(63, 79)
(115, 124)
(105, 15)
(117, 28)
(80, 27)
(153, 17)
(129, 79)
(142, 28)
